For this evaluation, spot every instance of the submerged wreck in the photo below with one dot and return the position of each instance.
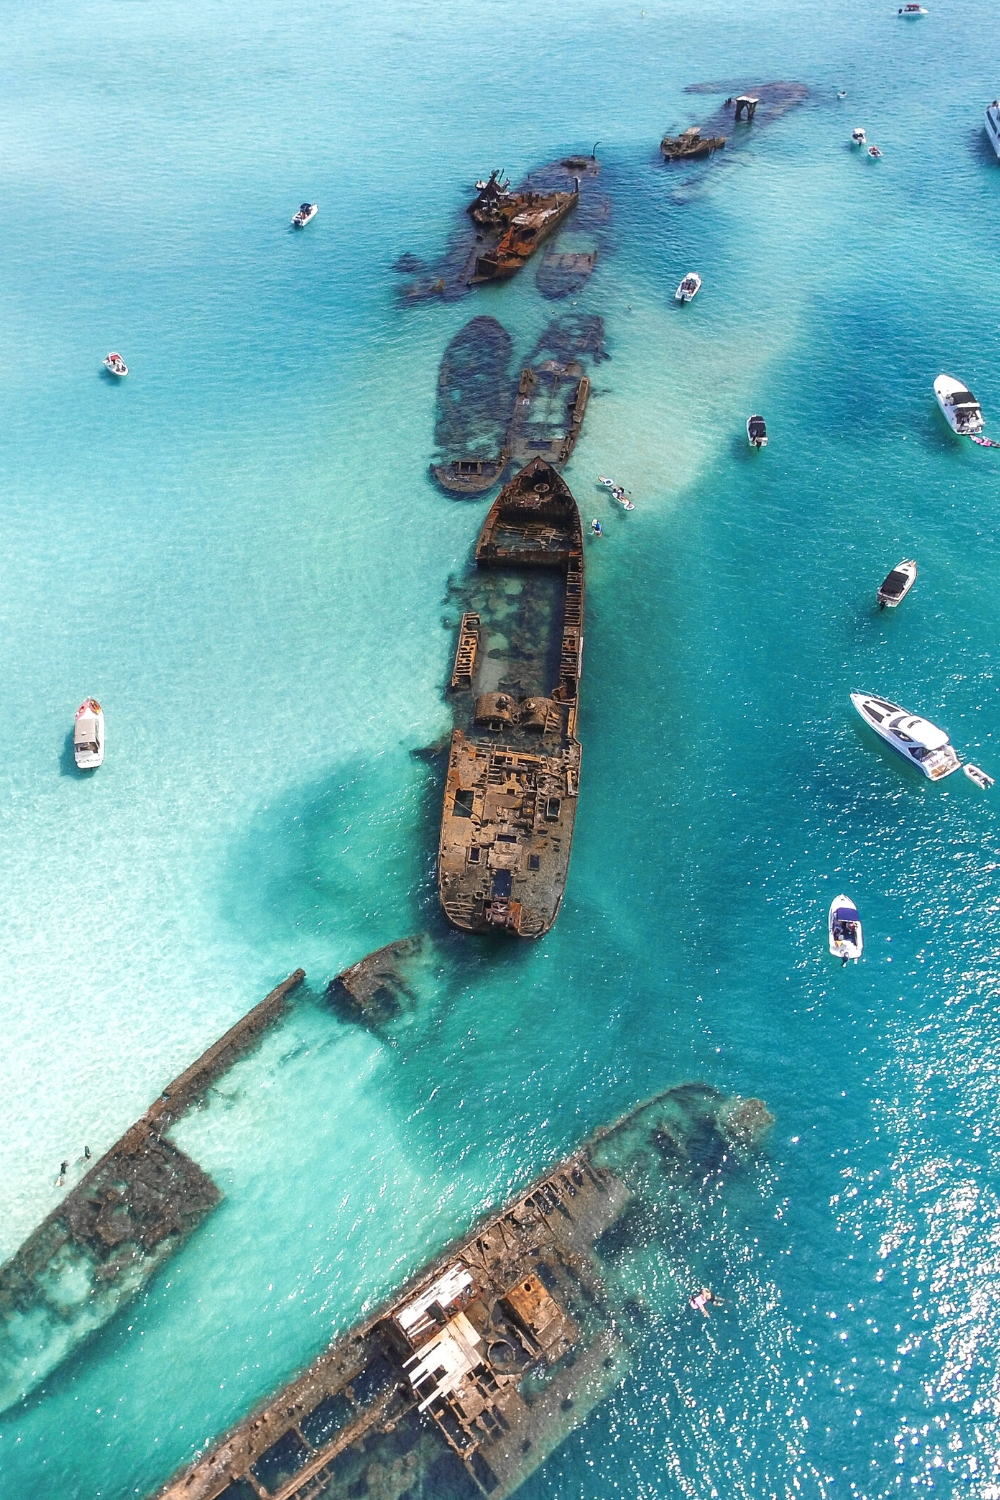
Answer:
(514, 762)
(484, 426)
(467, 1380)
(504, 227)
(130, 1211)
(749, 106)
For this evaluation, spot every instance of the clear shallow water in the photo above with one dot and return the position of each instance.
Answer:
(238, 551)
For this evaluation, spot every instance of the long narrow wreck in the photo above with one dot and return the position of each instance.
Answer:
(514, 763)
(466, 1381)
(130, 1210)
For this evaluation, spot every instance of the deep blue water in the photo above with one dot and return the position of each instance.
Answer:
(238, 550)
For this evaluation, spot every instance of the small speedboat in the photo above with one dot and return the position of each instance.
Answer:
(978, 776)
(993, 125)
(88, 735)
(115, 365)
(846, 938)
(897, 584)
(911, 10)
(919, 741)
(874, 153)
(858, 136)
(962, 411)
(756, 432)
(306, 212)
(689, 288)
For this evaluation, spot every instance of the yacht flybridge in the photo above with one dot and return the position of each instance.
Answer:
(918, 740)
(961, 409)
(88, 735)
(304, 213)
(689, 287)
(993, 125)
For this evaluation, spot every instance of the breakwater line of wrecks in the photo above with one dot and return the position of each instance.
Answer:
(131, 1210)
(480, 1366)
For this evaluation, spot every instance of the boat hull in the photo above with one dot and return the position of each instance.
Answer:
(844, 929)
(934, 764)
(513, 774)
(993, 127)
(946, 386)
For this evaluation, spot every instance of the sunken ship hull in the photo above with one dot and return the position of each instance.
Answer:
(538, 216)
(466, 1382)
(514, 763)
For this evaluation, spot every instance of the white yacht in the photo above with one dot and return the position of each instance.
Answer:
(689, 287)
(858, 136)
(846, 937)
(920, 741)
(115, 365)
(993, 126)
(306, 212)
(756, 432)
(961, 409)
(912, 10)
(897, 584)
(88, 735)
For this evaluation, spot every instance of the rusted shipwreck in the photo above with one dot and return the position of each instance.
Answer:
(484, 425)
(514, 762)
(690, 145)
(746, 104)
(129, 1212)
(464, 1383)
(533, 218)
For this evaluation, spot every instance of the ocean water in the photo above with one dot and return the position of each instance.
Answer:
(239, 551)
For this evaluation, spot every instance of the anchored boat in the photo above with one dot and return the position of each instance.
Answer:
(514, 763)
(115, 365)
(858, 137)
(897, 584)
(993, 125)
(756, 432)
(88, 735)
(303, 214)
(689, 288)
(919, 741)
(961, 410)
(846, 938)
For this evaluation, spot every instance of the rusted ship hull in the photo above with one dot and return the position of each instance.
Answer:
(130, 1211)
(514, 764)
(473, 402)
(538, 217)
(467, 1380)
(548, 412)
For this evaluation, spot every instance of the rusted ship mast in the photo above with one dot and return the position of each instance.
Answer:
(469, 1379)
(514, 764)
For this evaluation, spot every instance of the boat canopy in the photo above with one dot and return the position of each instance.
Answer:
(85, 729)
(895, 583)
(961, 398)
(846, 914)
(922, 732)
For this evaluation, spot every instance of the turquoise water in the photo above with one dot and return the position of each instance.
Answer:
(239, 552)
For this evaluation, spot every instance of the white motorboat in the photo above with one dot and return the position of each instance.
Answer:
(961, 409)
(993, 126)
(847, 940)
(897, 584)
(918, 740)
(689, 288)
(874, 153)
(88, 735)
(306, 212)
(858, 136)
(756, 432)
(115, 365)
(912, 10)
(976, 774)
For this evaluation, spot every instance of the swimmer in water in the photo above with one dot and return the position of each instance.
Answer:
(596, 527)
(699, 1303)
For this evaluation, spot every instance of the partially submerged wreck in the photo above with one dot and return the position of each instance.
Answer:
(466, 1381)
(376, 989)
(690, 145)
(514, 763)
(132, 1209)
(474, 398)
(537, 215)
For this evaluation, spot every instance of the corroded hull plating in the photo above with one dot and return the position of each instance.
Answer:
(466, 1382)
(514, 763)
(536, 218)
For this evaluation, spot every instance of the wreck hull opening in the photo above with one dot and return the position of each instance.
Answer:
(514, 763)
